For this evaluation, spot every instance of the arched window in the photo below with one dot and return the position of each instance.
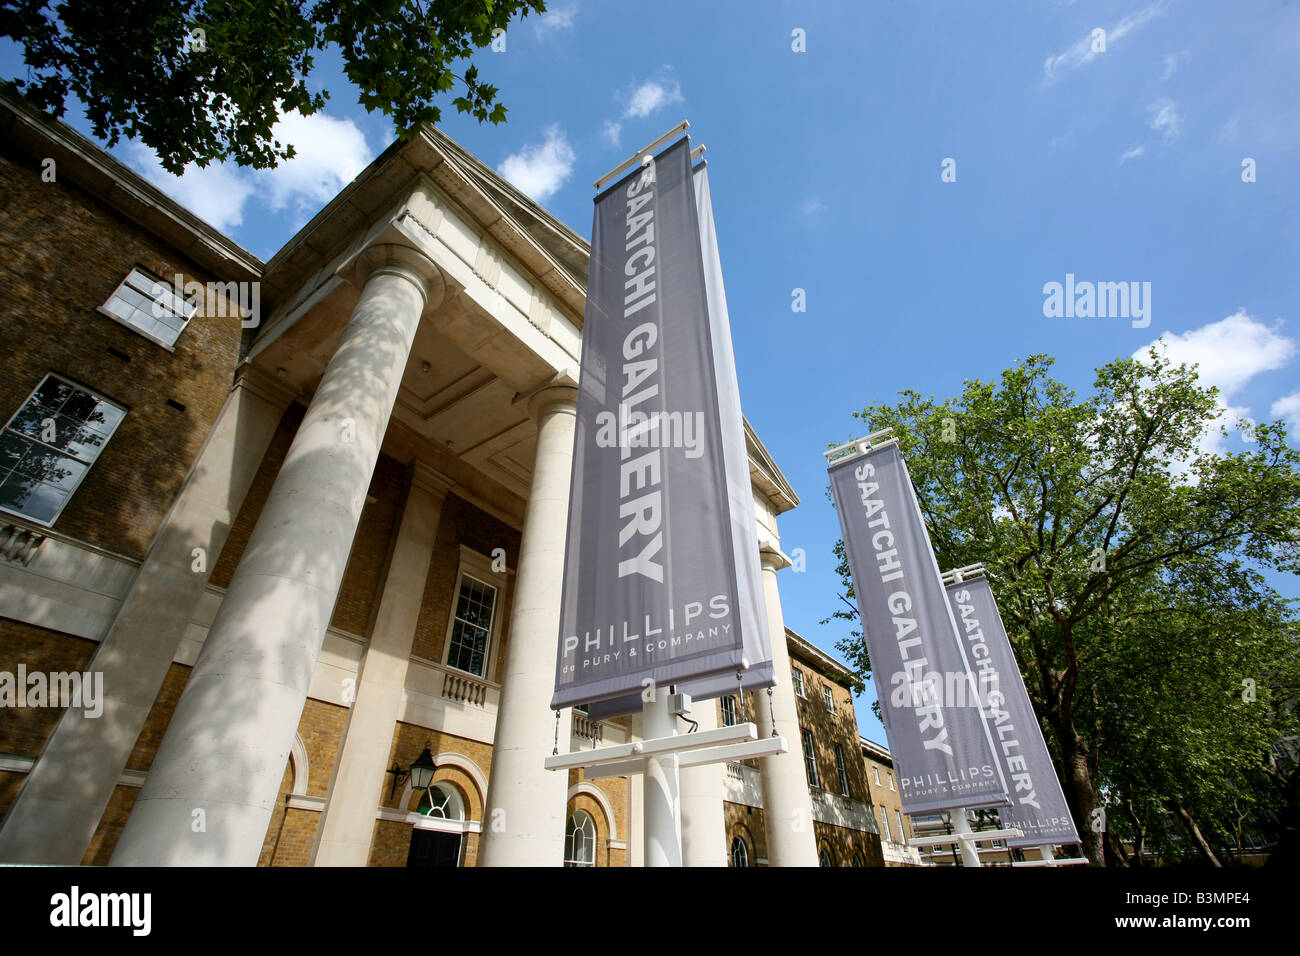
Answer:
(824, 858)
(442, 802)
(739, 852)
(857, 860)
(580, 840)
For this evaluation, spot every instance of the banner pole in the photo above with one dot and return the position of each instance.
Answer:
(961, 829)
(662, 821)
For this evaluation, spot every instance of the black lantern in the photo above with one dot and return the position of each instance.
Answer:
(421, 772)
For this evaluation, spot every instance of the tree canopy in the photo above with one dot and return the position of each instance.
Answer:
(204, 80)
(1126, 562)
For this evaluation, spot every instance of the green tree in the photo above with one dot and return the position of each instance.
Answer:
(1123, 558)
(204, 80)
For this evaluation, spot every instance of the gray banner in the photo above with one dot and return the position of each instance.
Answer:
(1037, 803)
(942, 749)
(740, 495)
(650, 588)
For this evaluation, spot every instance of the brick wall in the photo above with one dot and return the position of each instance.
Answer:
(828, 729)
(748, 823)
(24, 730)
(844, 844)
(62, 254)
(460, 523)
(110, 826)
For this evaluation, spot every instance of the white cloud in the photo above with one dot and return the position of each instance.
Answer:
(541, 169)
(614, 132)
(557, 18)
(215, 193)
(1082, 52)
(1228, 354)
(812, 206)
(330, 154)
(1165, 119)
(1133, 153)
(650, 96)
(1170, 63)
(1288, 409)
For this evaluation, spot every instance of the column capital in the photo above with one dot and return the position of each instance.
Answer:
(430, 479)
(265, 385)
(393, 259)
(561, 389)
(771, 556)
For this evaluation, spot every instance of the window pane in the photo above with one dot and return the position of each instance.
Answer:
(53, 393)
(65, 474)
(12, 449)
(47, 447)
(472, 626)
(30, 418)
(45, 502)
(104, 418)
(84, 443)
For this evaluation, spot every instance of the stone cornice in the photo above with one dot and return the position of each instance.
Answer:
(112, 182)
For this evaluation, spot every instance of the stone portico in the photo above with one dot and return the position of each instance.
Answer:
(396, 446)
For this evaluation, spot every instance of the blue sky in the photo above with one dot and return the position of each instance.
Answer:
(1122, 165)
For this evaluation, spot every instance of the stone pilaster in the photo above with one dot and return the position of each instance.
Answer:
(348, 826)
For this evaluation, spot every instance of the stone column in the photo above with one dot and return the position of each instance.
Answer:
(345, 833)
(787, 807)
(61, 803)
(213, 784)
(704, 826)
(524, 823)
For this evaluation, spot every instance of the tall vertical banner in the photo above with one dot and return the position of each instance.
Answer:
(651, 590)
(1038, 804)
(755, 640)
(942, 748)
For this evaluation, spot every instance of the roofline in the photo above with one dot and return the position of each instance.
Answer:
(878, 750)
(111, 181)
(811, 650)
(779, 491)
(476, 167)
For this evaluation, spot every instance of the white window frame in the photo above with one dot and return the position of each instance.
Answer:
(884, 818)
(796, 676)
(143, 277)
(829, 698)
(898, 819)
(722, 703)
(738, 842)
(88, 464)
(875, 772)
(810, 758)
(589, 841)
(479, 567)
(842, 770)
(891, 780)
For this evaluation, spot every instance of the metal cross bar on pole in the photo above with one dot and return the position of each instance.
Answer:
(863, 445)
(750, 750)
(653, 747)
(640, 154)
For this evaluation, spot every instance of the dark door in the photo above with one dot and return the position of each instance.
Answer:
(429, 848)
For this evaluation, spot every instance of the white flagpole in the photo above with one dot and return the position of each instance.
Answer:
(662, 820)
